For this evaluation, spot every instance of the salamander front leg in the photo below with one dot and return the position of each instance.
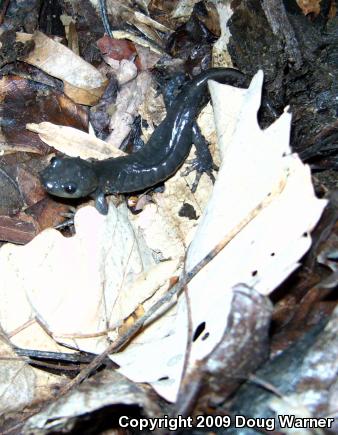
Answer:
(101, 204)
(203, 161)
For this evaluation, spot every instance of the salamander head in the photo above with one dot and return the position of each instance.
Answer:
(69, 177)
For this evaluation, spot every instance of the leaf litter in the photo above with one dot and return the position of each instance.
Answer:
(83, 83)
(261, 189)
(117, 268)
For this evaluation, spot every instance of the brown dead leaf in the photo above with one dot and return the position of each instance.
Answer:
(161, 9)
(309, 6)
(242, 349)
(10, 200)
(20, 230)
(108, 390)
(23, 101)
(131, 320)
(211, 19)
(117, 49)
(147, 58)
(306, 371)
(128, 101)
(100, 114)
(48, 213)
(296, 312)
(30, 186)
(22, 192)
(20, 186)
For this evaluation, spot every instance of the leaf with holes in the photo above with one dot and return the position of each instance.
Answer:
(262, 208)
(263, 204)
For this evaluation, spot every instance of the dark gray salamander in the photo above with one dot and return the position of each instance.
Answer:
(164, 153)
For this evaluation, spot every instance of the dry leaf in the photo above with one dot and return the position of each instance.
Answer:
(309, 6)
(122, 34)
(20, 383)
(256, 165)
(74, 142)
(131, 95)
(19, 230)
(96, 268)
(220, 54)
(83, 83)
(17, 380)
(116, 49)
(258, 168)
(183, 9)
(24, 101)
(107, 389)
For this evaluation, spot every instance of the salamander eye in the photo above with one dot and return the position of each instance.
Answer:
(54, 162)
(70, 188)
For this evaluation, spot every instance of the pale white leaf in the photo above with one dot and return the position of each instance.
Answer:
(74, 142)
(83, 83)
(258, 168)
(71, 284)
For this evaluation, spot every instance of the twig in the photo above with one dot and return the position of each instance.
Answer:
(277, 17)
(21, 328)
(104, 17)
(175, 290)
(34, 357)
(3, 11)
(264, 384)
(189, 339)
(56, 366)
(78, 358)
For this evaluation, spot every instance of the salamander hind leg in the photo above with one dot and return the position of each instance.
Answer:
(203, 162)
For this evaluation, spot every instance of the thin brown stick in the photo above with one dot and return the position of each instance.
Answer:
(189, 337)
(3, 11)
(175, 290)
(21, 328)
(79, 335)
(264, 384)
(56, 366)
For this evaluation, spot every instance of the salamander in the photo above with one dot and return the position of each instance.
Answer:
(161, 157)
